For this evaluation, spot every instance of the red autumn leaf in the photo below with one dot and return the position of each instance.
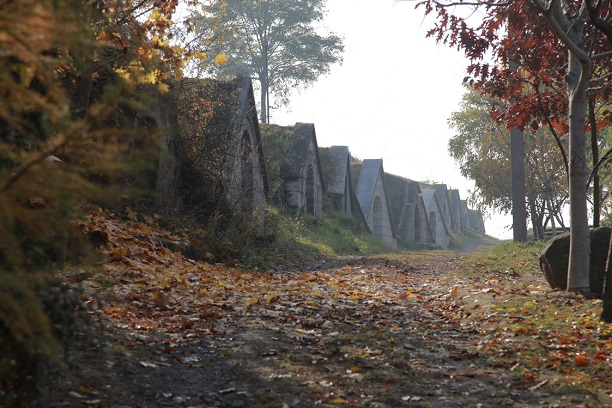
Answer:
(582, 360)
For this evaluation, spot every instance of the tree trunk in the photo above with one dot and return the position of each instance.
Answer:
(595, 153)
(517, 161)
(166, 186)
(264, 99)
(519, 212)
(606, 313)
(82, 93)
(536, 220)
(84, 61)
(264, 79)
(579, 73)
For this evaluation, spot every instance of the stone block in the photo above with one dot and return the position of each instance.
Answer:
(554, 259)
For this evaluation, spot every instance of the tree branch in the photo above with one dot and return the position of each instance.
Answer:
(477, 3)
(603, 55)
(602, 25)
(552, 129)
(554, 15)
(24, 169)
(601, 161)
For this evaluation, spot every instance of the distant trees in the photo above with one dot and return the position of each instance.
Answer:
(482, 149)
(280, 42)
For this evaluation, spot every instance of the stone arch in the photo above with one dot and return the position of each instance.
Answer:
(378, 218)
(433, 223)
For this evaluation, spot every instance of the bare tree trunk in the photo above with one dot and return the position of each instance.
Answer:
(264, 99)
(606, 313)
(535, 221)
(82, 94)
(570, 30)
(551, 210)
(595, 153)
(517, 161)
(578, 76)
(264, 79)
(166, 186)
(519, 212)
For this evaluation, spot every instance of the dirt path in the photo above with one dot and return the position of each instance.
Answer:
(359, 332)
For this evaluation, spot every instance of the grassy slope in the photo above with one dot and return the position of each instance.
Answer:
(338, 235)
(288, 239)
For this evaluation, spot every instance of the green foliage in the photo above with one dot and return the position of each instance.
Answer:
(482, 149)
(282, 239)
(338, 234)
(277, 41)
(206, 110)
(36, 195)
(276, 141)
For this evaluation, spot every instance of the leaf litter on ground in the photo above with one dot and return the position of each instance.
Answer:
(426, 328)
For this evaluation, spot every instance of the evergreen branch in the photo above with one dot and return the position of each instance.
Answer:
(25, 168)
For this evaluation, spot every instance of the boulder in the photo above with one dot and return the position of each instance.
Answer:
(555, 257)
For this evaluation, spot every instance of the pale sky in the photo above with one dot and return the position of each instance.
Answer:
(391, 97)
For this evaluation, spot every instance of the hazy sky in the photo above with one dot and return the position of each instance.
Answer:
(392, 96)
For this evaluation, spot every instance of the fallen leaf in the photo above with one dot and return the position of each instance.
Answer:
(160, 299)
(252, 301)
(582, 360)
(317, 293)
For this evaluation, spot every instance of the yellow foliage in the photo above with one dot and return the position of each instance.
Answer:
(163, 88)
(220, 59)
(148, 78)
(155, 14)
(201, 55)
(123, 73)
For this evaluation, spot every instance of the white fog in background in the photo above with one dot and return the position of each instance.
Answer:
(392, 96)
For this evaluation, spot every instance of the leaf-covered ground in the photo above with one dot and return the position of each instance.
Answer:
(420, 329)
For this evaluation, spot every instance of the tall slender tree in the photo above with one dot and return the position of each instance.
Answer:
(280, 42)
